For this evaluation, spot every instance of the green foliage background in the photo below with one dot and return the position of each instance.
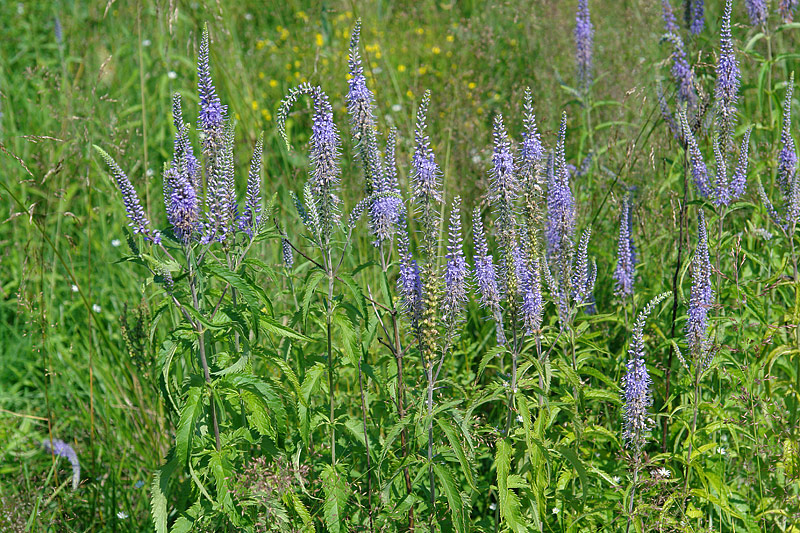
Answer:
(81, 333)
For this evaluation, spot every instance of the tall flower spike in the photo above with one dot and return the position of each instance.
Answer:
(60, 448)
(636, 384)
(560, 229)
(698, 165)
(324, 153)
(455, 273)
(532, 151)
(726, 92)
(386, 211)
(681, 71)
(787, 157)
(582, 280)
(288, 257)
(133, 208)
(721, 190)
(409, 284)
(485, 275)
(183, 157)
(739, 180)
(424, 172)
(183, 211)
(360, 106)
(584, 34)
(702, 295)
(695, 16)
(757, 11)
(503, 183)
(625, 273)
(252, 206)
(670, 24)
(532, 303)
(786, 9)
(212, 112)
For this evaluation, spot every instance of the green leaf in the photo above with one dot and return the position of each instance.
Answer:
(185, 430)
(273, 326)
(243, 287)
(455, 443)
(335, 498)
(454, 500)
(572, 457)
(310, 289)
(158, 497)
(509, 501)
(302, 512)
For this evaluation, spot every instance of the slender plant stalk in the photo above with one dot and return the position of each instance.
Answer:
(675, 275)
(202, 345)
(329, 327)
(633, 491)
(366, 445)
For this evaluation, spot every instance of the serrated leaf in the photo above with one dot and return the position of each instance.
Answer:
(273, 326)
(454, 500)
(335, 499)
(158, 497)
(185, 430)
(455, 444)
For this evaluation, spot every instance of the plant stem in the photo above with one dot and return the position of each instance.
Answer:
(201, 345)
(366, 445)
(695, 409)
(430, 440)
(633, 491)
(328, 325)
(681, 224)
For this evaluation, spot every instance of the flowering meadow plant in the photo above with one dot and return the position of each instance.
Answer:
(367, 291)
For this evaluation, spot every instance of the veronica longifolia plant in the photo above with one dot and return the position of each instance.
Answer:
(200, 265)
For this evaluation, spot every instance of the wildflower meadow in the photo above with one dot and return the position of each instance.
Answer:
(399, 266)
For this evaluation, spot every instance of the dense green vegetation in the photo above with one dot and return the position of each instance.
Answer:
(201, 386)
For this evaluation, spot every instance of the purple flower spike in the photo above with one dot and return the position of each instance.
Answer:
(532, 151)
(455, 274)
(409, 284)
(699, 169)
(584, 33)
(702, 295)
(681, 71)
(288, 257)
(786, 9)
(739, 180)
(183, 212)
(560, 228)
(502, 179)
(787, 157)
(325, 149)
(485, 275)
(625, 274)
(133, 207)
(212, 112)
(62, 449)
(757, 11)
(695, 16)
(532, 302)
(360, 101)
(636, 384)
(386, 211)
(670, 24)
(251, 218)
(726, 92)
(425, 172)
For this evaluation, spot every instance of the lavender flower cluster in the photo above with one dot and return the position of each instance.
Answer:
(184, 176)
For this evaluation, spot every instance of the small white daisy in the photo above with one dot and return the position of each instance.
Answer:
(96, 308)
(122, 515)
(492, 506)
(663, 472)
(248, 16)
(146, 42)
(616, 480)
(377, 70)
(396, 108)
(172, 74)
(722, 451)
(476, 159)
(556, 510)
(74, 288)
(150, 173)
(116, 242)
(519, 419)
